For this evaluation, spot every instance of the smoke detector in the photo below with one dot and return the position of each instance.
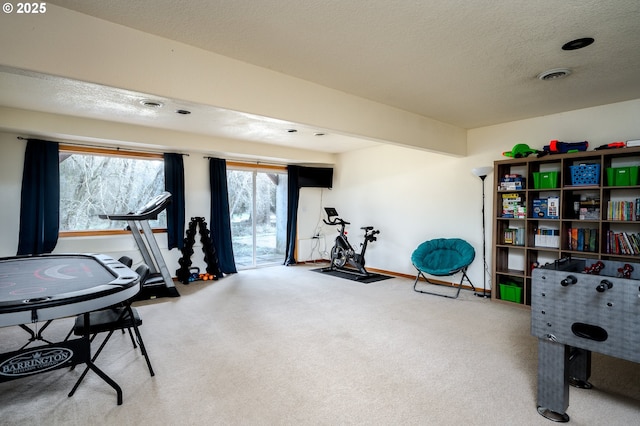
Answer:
(554, 74)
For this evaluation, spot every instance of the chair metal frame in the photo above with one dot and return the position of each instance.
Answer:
(120, 317)
(462, 269)
(459, 286)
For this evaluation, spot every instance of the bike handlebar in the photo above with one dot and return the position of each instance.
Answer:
(336, 221)
(369, 232)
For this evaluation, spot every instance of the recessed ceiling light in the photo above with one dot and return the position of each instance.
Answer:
(554, 74)
(151, 104)
(578, 43)
(183, 111)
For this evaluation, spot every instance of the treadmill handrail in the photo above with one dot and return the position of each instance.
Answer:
(151, 210)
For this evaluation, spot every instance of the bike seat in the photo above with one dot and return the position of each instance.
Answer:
(367, 228)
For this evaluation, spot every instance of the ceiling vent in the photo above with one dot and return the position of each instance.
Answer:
(554, 74)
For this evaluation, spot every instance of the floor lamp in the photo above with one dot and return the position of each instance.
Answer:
(482, 173)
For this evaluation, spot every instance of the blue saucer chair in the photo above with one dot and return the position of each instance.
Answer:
(443, 257)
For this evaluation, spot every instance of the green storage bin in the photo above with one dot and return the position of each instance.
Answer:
(545, 180)
(622, 176)
(511, 292)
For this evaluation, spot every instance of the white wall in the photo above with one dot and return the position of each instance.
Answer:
(412, 196)
(310, 215)
(11, 164)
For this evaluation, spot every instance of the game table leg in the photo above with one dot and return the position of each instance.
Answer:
(35, 336)
(553, 380)
(580, 368)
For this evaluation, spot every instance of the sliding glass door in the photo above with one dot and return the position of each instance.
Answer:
(258, 209)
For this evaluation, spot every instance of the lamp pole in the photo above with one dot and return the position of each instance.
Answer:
(482, 173)
(484, 247)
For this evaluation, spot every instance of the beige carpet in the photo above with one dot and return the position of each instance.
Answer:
(287, 346)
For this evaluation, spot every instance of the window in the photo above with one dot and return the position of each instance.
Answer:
(258, 209)
(100, 181)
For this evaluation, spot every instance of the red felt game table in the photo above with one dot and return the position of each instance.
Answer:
(49, 287)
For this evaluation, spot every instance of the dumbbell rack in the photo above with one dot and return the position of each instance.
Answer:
(184, 273)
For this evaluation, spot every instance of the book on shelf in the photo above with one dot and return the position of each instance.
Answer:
(623, 243)
(622, 210)
(583, 239)
(514, 236)
(593, 240)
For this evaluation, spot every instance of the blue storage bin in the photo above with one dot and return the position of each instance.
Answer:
(585, 174)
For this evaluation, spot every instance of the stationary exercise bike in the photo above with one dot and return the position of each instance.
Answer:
(342, 252)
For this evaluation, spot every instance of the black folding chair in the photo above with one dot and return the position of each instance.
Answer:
(120, 317)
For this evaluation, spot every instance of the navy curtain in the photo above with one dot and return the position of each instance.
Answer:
(174, 183)
(40, 198)
(293, 196)
(220, 218)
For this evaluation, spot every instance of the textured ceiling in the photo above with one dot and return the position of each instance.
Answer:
(467, 63)
(57, 95)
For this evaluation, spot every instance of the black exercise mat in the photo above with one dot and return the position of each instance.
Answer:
(353, 276)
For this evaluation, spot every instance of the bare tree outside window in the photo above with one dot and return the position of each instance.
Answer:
(91, 185)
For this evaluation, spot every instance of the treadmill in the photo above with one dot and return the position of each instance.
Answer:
(159, 283)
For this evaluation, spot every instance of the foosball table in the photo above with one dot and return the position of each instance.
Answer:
(579, 307)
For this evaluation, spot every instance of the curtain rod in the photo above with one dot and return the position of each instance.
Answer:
(266, 163)
(258, 163)
(106, 146)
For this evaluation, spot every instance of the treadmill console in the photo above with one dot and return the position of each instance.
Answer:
(149, 211)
